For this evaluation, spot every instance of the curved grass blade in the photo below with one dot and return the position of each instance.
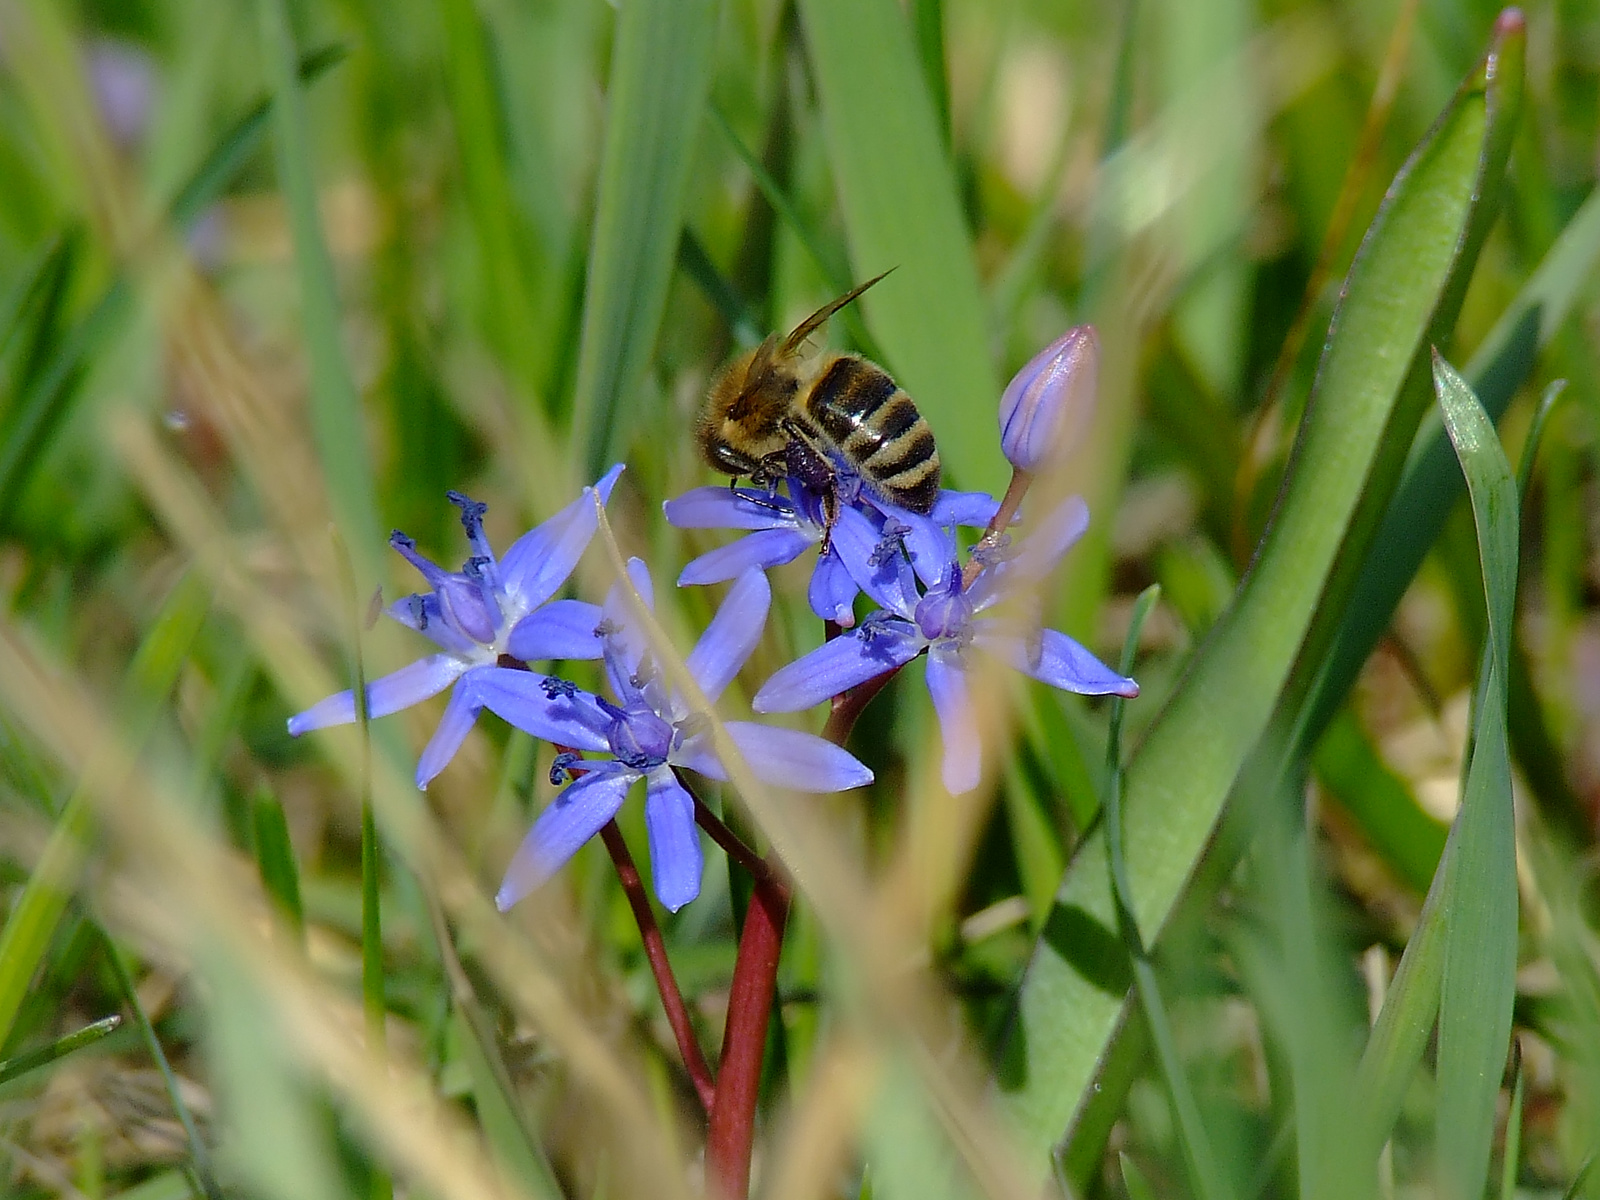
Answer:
(1204, 1169)
(336, 418)
(32, 921)
(1513, 1151)
(275, 859)
(1402, 292)
(28, 427)
(898, 195)
(198, 1152)
(1478, 982)
(11, 1068)
(1432, 482)
(660, 77)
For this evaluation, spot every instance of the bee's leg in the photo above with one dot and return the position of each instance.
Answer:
(816, 473)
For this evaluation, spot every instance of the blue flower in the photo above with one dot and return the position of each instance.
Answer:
(785, 526)
(489, 608)
(1047, 402)
(943, 620)
(647, 730)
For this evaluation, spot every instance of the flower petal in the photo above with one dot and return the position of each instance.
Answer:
(793, 759)
(460, 714)
(572, 818)
(675, 858)
(838, 665)
(764, 548)
(958, 722)
(1057, 660)
(421, 611)
(401, 689)
(727, 508)
(974, 509)
(562, 629)
(888, 581)
(539, 561)
(627, 640)
(732, 636)
(833, 592)
(551, 710)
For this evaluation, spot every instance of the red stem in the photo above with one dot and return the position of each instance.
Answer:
(731, 1139)
(655, 949)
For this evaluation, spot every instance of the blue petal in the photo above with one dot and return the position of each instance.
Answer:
(890, 582)
(839, 665)
(539, 562)
(675, 859)
(561, 629)
(572, 818)
(958, 722)
(1056, 659)
(423, 613)
(975, 509)
(724, 508)
(460, 714)
(932, 549)
(793, 759)
(764, 548)
(549, 713)
(409, 685)
(1038, 553)
(627, 639)
(833, 592)
(732, 636)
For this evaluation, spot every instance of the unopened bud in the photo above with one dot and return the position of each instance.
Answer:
(1048, 402)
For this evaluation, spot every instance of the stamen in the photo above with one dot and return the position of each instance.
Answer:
(562, 766)
(472, 520)
(419, 611)
(554, 688)
(407, 547)
(891, 545)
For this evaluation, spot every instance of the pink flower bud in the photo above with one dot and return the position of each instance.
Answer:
(1047, 403)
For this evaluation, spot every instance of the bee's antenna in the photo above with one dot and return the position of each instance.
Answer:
(815, 321)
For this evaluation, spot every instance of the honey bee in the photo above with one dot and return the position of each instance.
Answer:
(772, 413)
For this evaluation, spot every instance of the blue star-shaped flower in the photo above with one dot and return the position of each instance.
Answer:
(784, 526)
(488, 608)
(647, 731)
(943, 620)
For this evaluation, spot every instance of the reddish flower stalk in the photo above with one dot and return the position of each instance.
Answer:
(731, 1139)
(655, 949)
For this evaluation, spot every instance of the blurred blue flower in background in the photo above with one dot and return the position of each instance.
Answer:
(943, 620)
(648, 731)
(491, 607)
(785, 526)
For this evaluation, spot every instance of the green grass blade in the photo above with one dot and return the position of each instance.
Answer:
(275, 859)
(1410, 839)
(1480, 942)
(11, 1068)
(1204, 1170)
(1432, 482)
(32, 921)
(239, 142)
(1513, 1150)
(510, 309)
(337, 425)
(199, 1154)
(695, 262)
(1133, 1179)
(660, 77)
(1405, 283)
(898, 195)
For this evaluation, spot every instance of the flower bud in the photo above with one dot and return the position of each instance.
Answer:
(1047, 403)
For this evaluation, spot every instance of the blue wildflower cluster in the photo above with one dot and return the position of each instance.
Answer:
(495, 618)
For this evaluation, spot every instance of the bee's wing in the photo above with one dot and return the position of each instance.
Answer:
(815, 321)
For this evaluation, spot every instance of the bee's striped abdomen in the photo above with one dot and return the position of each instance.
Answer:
(877, 428)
